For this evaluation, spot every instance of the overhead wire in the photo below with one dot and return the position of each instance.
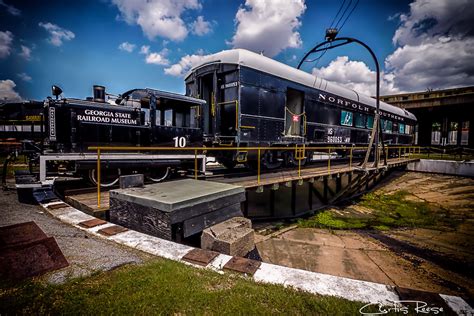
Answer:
(343, 13)
(334, 19)
(350, 13)
(317, 59)
(338, 11)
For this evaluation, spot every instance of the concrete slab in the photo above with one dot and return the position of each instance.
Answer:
(232, 237)
(173, 195)
(176, 209)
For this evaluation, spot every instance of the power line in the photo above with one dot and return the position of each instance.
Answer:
(338, 11)
(343, 14)
(349, 15)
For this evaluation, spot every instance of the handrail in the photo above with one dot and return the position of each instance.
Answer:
(298, 150)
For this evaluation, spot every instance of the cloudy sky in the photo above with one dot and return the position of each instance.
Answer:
(125, 44)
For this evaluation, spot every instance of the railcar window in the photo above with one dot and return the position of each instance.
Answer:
(346, 118)
(386, 126)
(407, 129)
(360, 120)
(169, 117)
(401, 128)
(395, 127)
(370, 121)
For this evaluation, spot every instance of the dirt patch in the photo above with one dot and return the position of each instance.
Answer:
(415, 230)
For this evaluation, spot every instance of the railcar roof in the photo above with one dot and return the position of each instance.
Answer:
(165, 94)
(259, 62)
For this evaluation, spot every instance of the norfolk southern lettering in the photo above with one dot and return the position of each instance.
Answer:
(328, 98)
(101, 116)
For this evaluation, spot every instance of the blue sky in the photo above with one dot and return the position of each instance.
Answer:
(125, 44)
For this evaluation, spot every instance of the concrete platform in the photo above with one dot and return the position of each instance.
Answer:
(175, 209)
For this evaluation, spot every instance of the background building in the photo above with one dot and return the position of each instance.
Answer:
(445, 117)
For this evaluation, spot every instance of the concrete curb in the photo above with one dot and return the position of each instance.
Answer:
(313, 282)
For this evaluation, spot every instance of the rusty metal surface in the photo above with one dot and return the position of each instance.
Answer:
(112, 230)
(35, 258)
(200, 256)
(242, 265)
(92, 223)
(26, 251)
(20, 234)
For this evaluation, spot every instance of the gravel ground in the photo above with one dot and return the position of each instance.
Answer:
(85, 253)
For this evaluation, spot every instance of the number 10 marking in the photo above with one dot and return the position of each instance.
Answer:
(179, 141)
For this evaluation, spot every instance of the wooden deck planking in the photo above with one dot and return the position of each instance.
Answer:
(306, 173)
(87, 202)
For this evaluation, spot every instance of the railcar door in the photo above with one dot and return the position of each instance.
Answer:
(294, 113)
(208, 92)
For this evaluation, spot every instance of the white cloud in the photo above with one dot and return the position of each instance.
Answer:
(355, 75)
(184, 65)
(127, 47)
(436, 46)
(434, 50)
(201, 27)
(158, 17)
(25, 77)
(11, 9)
(6, 39)
(57, 34)
(25, 52)
(433, 65)
(268, 26)
(157, 59)
(145, 49)
(7, 91)
(431, 19)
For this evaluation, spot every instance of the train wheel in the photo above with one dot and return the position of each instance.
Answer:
(107, 179)
(159, 174)
(270, 161)
(229, 164)
(291, 161)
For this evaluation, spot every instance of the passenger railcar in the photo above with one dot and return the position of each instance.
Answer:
(252, 100)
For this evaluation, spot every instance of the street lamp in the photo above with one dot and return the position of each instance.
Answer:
(331, 37)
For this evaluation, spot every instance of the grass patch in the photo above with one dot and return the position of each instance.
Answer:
(165, 287)
(389, 211)
(326, 219)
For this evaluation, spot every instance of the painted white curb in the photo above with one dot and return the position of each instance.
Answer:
(312, 282)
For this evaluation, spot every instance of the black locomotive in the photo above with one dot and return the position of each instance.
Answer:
(233, 98)
(61, 130)
(253, 100)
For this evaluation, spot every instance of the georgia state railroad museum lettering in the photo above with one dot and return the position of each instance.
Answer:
(101, 116)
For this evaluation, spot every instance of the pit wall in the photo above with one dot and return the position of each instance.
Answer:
(451, 167)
